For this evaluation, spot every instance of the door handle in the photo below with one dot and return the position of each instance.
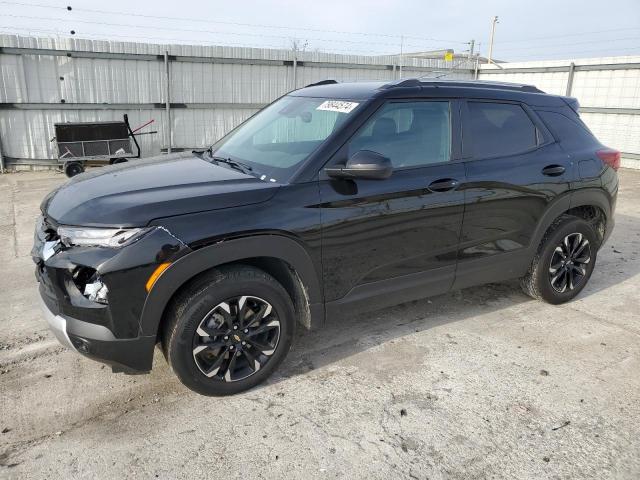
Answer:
(553, 170)
(443, 185)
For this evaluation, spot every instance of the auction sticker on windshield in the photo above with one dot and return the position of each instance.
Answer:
(337, 106)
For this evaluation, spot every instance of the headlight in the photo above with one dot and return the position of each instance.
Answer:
(99, 237)
(96, 291)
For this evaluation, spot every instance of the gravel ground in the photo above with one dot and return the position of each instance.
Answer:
(479, 383)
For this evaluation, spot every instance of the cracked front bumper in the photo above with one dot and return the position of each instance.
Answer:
(130, 355)
(108, 331)
(57, 325)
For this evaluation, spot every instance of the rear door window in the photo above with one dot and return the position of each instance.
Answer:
(500, 129)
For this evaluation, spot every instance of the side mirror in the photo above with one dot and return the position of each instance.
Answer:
(363, 164)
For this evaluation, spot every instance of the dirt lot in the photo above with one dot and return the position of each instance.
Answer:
(479, 383)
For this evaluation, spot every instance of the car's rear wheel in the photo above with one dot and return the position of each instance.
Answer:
(564, 261)
(228, 330)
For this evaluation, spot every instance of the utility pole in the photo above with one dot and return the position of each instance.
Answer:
(493, 32)
(472, 45)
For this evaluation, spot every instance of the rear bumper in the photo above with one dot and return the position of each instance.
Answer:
(131, 355)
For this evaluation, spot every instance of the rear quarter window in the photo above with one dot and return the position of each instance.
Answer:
(572, 134)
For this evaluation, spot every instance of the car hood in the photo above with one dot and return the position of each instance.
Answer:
(134, 193)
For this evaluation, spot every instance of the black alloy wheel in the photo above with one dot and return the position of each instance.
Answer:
(569, 262)
(236, 338)
(228, 329)
(564, 262)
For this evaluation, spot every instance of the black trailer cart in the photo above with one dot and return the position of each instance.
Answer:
(95, 143)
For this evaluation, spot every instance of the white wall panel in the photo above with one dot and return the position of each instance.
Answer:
(47, 79)
(618, 131)
(613, 88)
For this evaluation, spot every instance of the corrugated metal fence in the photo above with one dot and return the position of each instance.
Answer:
(211, 89)
(608, 90)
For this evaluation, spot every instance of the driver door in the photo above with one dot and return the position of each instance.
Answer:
(389, 241)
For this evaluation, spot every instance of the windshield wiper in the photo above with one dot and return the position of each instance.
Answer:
(243, 167)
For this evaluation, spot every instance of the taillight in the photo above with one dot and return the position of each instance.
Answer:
(610, 156)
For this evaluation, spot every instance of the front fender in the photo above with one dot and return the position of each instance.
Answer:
(198, 261)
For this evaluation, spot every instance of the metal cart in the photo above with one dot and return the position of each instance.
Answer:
(95, 143)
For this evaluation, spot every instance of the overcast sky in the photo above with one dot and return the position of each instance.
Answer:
(527, 30)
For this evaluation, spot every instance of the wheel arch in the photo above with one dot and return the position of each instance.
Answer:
(282, 257)
(583, 203)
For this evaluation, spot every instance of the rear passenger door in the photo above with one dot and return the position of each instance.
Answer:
(514, 171)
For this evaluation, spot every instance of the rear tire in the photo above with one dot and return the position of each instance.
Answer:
(564, 262)
(228, 330)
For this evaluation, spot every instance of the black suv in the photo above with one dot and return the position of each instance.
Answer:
(334, 198)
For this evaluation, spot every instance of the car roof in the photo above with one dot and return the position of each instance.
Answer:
(351, 90)
(417, 87)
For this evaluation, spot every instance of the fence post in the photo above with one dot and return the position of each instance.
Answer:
(401, 61)
(167, 105)
(572, 69)
(1, 158)
(475, 68)
(295, 71)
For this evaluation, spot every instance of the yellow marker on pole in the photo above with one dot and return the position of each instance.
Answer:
(448, 56)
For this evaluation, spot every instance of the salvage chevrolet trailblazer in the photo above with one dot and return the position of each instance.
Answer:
(333, 200)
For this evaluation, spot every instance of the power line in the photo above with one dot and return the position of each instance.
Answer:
(581, 34)
(590, 52)
(236, 24)
(192, 40)
(216, 32)
(287, 37)
(570, 44)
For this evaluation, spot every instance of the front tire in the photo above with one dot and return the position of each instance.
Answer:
(228, 330)
(564, 262)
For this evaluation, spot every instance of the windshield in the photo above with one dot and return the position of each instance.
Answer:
(276, 140)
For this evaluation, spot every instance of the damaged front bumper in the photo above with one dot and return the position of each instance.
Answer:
(57, 325)
(107, 330)
(129, 355)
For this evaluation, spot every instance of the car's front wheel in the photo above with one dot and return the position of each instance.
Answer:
(228, 330)
(564, 261)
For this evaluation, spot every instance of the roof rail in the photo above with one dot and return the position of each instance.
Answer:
(407, 82)
(321, 82)
(419, 82)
